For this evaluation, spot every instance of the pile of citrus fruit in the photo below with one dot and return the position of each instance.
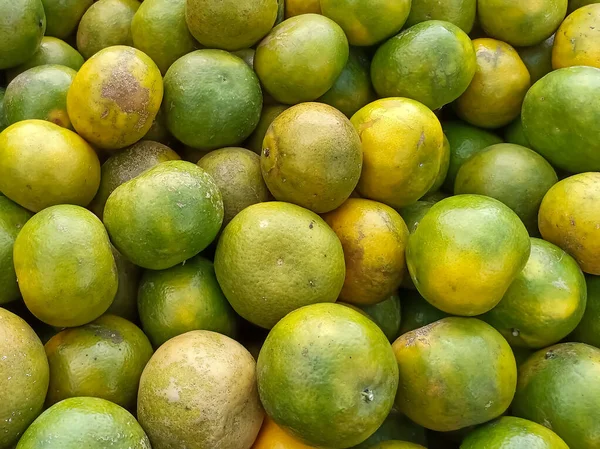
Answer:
(296, 224)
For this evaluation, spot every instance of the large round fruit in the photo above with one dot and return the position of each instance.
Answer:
(465, 140)
(515, 175)
(65, 267)
(471, 374)
(509, 432)
(23, 26)
(275, 257)
(466, 252)
(588, 330)
(301, 58)
(165, 215)
(367, 22)
(538, 58)
(204, 378)
(92, 423)
(43, 164)
(63, 16)
(12, 219)
(459, 12)
(271, 436)
(212, 99)
(559, 118)
(432, 62)
(544, 303)
(402, 143)
(159, 29)
(327, 375)
(230, 24)
(40, 93)
(23, 377)
(569, 217)
(577, 40)
(558, 388)
(496, 92)
(126, 165)
(312, 157)
(105, 24)
(183, 298)
(521, 22)
(103, 359)
(374, 238)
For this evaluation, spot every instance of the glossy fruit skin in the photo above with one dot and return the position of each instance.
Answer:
(402, 143)
(459, 12)
(83, 284)
(200, 373)
(537, 311)
(275, 257)
(212, 99)
(538, 58)
(104, 359)
(24, 24)
(24, 377)
(165, 215)
(301, 58)
(521, 23)
(317, 173)
(459, 229)
(313, 355)
(404, 65)
(557, 388)
(568, 218)
(458, 391)
(494, 97)
(588, 330)
(86, 421)
(577, 40)
(515, 175)
(509, 432)
(63, 16)
(557, 116)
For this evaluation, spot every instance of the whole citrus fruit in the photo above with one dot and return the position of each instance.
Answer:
(538, 58)
(387, 315)
(514, 133)
(417, 312)
(269, 113)
(63, 16)
(327, 375)
(471, 374)
(23, 26)
(588, 330)
(459, 12)
(577, 40)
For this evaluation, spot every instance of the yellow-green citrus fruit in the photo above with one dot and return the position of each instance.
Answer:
(444, 166)
(63, 16)
(298, 7)
(432, 62)
(125, 302)
(374, 238)
(458, 391)
(498, 88)
(236, 171)
(521, 22)
(538, 58)
(544, 303)
(12, 219)
(23, 26)
(459, 12)
(230, 24)
(205, 378)
(515, 175)
(114, 97)
(327, 375)
(102, 359)
(183, 298)
(577, 40)
(23, 377)
(65, 267)
(312, 157)
(40, 93)
(402, 142)
(300, 59)
(105, 24)
(271, 436)
(92, 423)
(164, 216)
(367, 22)
(43, 164)
(514, 133)
(466, 252)
(275, 257)
(269, 113)
(212, 99)
(569, 218)
(558, 388)
(588, 330)
(126, 165)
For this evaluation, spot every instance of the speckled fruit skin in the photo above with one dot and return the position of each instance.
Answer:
(577, 40)
(459, 12)
(205, 378)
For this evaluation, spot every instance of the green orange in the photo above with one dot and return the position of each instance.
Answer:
(514, 133)
(63, 16)
(588, 330)
(577, 39)
(269, 113)
(417, 312)
(396, 426)
(125, 302)
(538, 58)
(23, 26)
(387, 314)
(459, 12)
(576, 4)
